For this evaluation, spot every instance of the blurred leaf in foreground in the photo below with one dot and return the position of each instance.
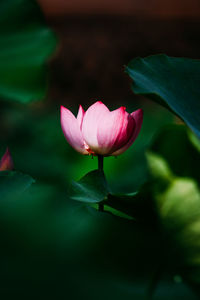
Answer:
(180, 214)
(70, 243)
(74, 246)
(84, 252)
(13, 183)
(26, 44)
(178, 206)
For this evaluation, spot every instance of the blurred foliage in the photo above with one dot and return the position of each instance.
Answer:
(51, 234)
(178, 205)
(80, 251)
(16, 182)
(195, 141)
(172, 82)
(169, 202)
(58, 240)
(26, 44)
(92, 188)
(73, 237)
(146, 242)
(185, 159)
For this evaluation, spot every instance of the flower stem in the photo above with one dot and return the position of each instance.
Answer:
(100, 168)
(100, 162)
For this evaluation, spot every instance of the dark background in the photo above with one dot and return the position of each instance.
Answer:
(99, 37)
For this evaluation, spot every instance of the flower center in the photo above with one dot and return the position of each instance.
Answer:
(87, 148)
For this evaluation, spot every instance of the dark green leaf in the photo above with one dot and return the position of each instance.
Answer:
(137, 206)
(92, 188)
(113, 211)
(171, 81)
(26, 44)
(12, 184)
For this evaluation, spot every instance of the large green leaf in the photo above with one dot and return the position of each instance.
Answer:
(26, 44)
(171, 81)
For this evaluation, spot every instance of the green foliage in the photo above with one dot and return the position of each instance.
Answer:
(12, 184)
(178, 208)
(159, 168)
(173, 82)
(148, 233)
(180, 202)
(174, 144)
(26, 44)
(92, 188)
(136, 206)
(194, 140)
(67, 241)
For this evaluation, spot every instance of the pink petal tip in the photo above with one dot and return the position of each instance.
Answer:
(6, 163)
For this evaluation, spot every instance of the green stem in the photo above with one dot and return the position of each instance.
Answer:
(100, 162)
(100, 168)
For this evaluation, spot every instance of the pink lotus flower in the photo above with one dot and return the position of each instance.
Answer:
(6, 162)
(99, 131)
